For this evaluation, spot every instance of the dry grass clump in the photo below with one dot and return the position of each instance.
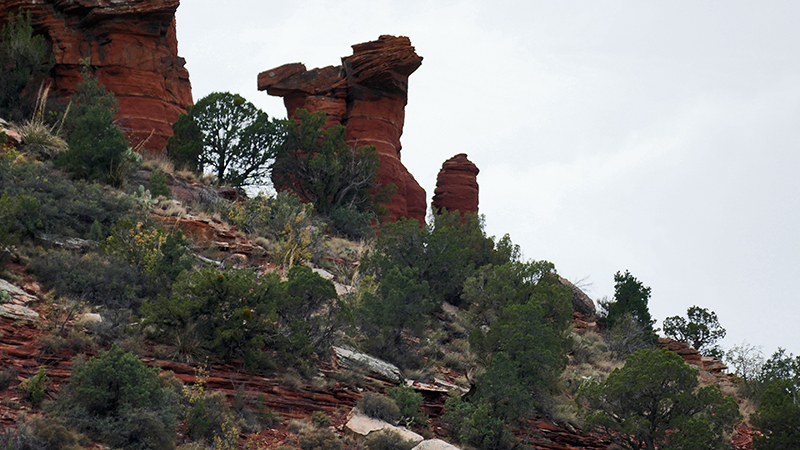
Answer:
(157, 162)
(41, 139)
(170, 208)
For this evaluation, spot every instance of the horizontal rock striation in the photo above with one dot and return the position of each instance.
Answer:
(457, 186)
(133, 50)
(368, 94)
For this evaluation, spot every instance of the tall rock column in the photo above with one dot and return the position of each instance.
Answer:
(133, 49)
(368, 94)
(457, 186)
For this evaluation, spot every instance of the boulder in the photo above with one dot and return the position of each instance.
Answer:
(368, 93)
(13, 302)
(17, 312)
(457, 186)
(581, 303)
(362, 425)
(434, 444)
(133, 49)
(353, 360)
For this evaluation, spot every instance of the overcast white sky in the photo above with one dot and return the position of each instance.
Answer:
(658, 137)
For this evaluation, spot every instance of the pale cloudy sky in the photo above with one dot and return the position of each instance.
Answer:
(658, 137)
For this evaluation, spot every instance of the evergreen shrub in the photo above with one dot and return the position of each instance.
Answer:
(379, 406)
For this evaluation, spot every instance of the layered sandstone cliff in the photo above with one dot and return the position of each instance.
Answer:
(132, 46)
(368, 94)
(457, 186)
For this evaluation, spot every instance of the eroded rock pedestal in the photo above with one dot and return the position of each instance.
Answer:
(368, 94)
(457, 186)
(133, 48)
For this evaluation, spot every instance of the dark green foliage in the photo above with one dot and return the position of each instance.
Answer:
(93, 278)
(321, 420)
(409, 401)
(35, 387)
(320, 440)
(445, 253)
(379, 406)
(654, 392)
(474, 425)
(701, 330)
(305, 332)
(228, 135)
(208, 415)
(387, 440)
(400, 303)
(267, 416)
(97, 145)
(337, 178)
(185, 146)
(777, 417)
(155, 255)
(158, 184)
(10, 208)
(778, 413)
(630, 296)
(5, 379)
(40, 434)
(114, 398)
(231, 309)
(353, 223)
(25, 61)
(236, 313)
(48, 202)
(521, 315)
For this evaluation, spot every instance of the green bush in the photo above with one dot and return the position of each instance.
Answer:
(93, 278)
(259, 311)
(326, 171)
(208, 415)
(114, 398)
(445, 252)
(97, 146)
(387, 440)
(320, 440)
(321, 420)
(5, 379)
(158, 184)
(149, 250)
(400, 304)
(474, 425)
(521, 316)
(25, 60)
(35, 387)
(51, 203)
(40, 434)
(379, 406)
(408, 401)
(630, 296)
(656, 392)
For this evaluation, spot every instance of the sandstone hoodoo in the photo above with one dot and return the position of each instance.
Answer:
(133, 49)
(368, 94)
(457, 186)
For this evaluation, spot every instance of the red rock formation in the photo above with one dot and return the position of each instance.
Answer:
(693, 357)
(457, 186)
(367, 93)
(134, 51)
